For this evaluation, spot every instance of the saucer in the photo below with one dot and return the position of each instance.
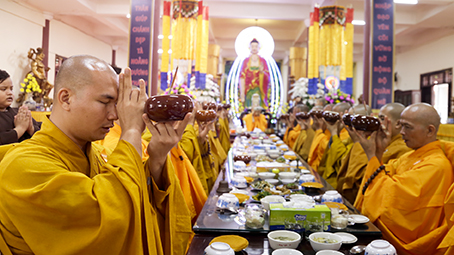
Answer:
(358, 219)
(346, 237)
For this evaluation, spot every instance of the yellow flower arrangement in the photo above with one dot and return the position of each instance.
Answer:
(30, 85)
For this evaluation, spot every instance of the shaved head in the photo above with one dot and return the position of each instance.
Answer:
(359, 109)
(301, 108)
(328, 107)
(78, 71)
(317, 107)
(393, 112)
(423, 114)
(341, 107)
(419, 124)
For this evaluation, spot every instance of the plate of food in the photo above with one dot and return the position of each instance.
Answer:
(260, 185)
(314, 185)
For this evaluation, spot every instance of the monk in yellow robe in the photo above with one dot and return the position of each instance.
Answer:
(74, 201)
(255, 120)
(224, 130)
(326, 167)
(295, 131)
(217, 151)
(189, 181)
(354, 164)
(404, 198)
(298, 145)
(320, 141)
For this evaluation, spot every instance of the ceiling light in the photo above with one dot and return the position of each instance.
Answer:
(160, 51)
(169, 51)
(160, 36)
(170, 37)
(405, 1)
(128, 15)
(358, 22)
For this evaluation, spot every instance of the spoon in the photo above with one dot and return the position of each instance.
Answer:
(357, 249)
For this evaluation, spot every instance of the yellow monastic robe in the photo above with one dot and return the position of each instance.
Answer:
(304, 151)
(395, 149)
(318, 147)
(293, 135)
(224, 134)
(285, 138)
(253, 122)
(74, 202)
(192, 188)
(351, 172)
(189, 143)
(298, 145)
(217, 151)
(5, 148)
(406, 201)
(110, 141)
(332, 159)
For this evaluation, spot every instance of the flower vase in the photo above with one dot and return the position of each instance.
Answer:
(29, 102)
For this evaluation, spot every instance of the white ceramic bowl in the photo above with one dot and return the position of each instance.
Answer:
(227, 200)
(239, 182)
(306, 178)
(272, 181)
(274, 155)
(287, 175)
(253, 155)
(329, 252)
(317, 246)
(380, 247)
(332, 196)
(286, 252)
(266, 175)
(279, 244)
(219, 248)
(271, 199)
(287, 181)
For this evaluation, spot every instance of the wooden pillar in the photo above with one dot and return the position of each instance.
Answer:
(45, 44)
(366, 50)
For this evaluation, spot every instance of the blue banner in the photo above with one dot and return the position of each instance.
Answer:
(382, 53)
(139, 40)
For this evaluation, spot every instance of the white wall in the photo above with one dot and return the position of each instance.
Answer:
(358, 80)
(427, 58)
(22, 29)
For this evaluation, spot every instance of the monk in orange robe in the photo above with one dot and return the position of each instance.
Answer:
(352, 169)
(255, 120)
(404, 198)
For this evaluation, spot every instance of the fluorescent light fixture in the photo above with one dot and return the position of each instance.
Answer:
(128, 15)
(160, 36)
(160, 51)
(405, 1)
(358, 22)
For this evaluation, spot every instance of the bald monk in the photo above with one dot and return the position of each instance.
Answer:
(404, 198)
(71, 201)
(310, 134)
(289, 124)
(194, 144)
(351, 178)
(224, 130)
(255, 120)
(298, 145)
(320, 141)
(294, 132)
(194, 194)
(327, 167)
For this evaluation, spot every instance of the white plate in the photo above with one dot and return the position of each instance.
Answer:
(358, 219)
(346, 237)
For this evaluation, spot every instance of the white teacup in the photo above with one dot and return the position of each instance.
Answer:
(332, 196)
(239, 182)
(227, 200)
(306, 178)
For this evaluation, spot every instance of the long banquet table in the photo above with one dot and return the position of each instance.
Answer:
(211, 223)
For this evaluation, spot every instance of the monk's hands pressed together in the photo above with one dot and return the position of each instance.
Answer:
(22, 121)
(130, 105)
